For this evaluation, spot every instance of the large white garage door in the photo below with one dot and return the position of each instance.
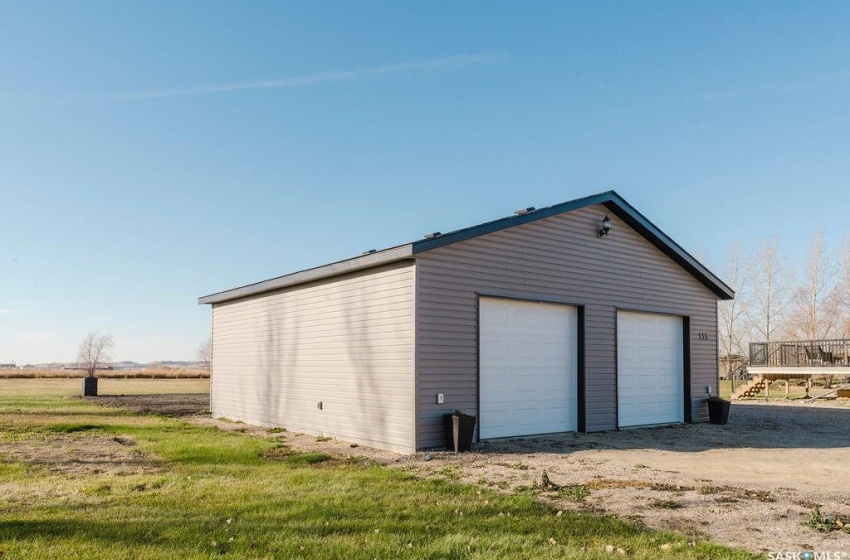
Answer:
(527, 368)
(650, 369)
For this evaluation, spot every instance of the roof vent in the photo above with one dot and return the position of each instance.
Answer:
(433, 235)
(370, 251)
(525, 211)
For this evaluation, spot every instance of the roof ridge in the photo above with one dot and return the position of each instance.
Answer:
(610, 199)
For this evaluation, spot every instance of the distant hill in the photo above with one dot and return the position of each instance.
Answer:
(126, 364)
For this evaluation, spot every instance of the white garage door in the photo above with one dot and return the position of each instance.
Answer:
(650, 369)
(527, 368)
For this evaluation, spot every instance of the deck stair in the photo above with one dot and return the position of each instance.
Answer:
(755, 386)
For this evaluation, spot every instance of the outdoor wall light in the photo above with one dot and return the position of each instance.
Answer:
(604, 227)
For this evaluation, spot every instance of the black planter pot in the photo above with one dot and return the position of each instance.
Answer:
(90, 386)
(459, 430)
(718, 411)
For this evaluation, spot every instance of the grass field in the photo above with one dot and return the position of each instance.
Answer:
(142, 373)
(79, 480)
(66, 388)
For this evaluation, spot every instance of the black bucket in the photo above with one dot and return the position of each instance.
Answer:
(459, 431)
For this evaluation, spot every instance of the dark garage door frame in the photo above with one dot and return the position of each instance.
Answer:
(686, 360)
(581, 412)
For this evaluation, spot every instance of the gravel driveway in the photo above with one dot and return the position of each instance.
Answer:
(747, 484)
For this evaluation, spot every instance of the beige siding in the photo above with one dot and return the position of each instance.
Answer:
(555, 259)
(347, 342)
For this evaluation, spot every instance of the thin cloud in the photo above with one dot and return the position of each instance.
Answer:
(814, 84)
(455, 61)
(11, 311)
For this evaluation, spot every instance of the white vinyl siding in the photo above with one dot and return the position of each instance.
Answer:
(347, 342)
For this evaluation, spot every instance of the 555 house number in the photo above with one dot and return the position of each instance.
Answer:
(702, 336)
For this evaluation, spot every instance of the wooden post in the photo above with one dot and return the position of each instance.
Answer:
(808, 385)
(767, 389)
(787, 388)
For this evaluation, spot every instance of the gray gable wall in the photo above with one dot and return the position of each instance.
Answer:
(556, 259)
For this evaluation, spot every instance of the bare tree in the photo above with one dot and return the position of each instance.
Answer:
(816, 298)
(815, 315)
(771, 290)
(843, 289)
(205, 354)
(733, 335)
(95, 351)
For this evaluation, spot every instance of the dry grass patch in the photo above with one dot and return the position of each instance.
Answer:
(666, 504)
(139, 373)
(80, 453)
(614, 483)
(71, 388)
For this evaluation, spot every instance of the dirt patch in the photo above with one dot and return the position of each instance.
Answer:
(748, 484)
(80, 453)
(188, 404)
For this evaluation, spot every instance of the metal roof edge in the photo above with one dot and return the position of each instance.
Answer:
(511, 221)
(614, 202)
(355, 264)
(610, 199)
(640, 223)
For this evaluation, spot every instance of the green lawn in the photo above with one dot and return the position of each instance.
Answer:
(78, 480)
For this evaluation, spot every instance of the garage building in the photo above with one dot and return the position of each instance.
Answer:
(546, 321)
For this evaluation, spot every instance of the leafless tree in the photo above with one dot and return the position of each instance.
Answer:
(205, 354)
(771, 286)
(732, 314)
(843, 289)
(815, 315)
(816, 298)
(95, 351)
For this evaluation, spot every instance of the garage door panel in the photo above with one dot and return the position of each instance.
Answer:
(646, 355)
(489, 350)
(553, 415)
(556, 351)
(554, 384)
(650, 369)
(501, 385)
(529, 387)
(529, 318)
(527, 416)
(499, 418)
(494, 316)
(527, 349)
(557, 321)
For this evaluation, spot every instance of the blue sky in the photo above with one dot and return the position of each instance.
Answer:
(154, 152)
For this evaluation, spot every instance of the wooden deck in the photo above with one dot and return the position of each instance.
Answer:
(794, 359)
(796, 372)
(814, 357)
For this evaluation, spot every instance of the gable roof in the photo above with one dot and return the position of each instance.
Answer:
(610, 199)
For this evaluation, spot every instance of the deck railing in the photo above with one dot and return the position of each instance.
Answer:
(800, 353)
